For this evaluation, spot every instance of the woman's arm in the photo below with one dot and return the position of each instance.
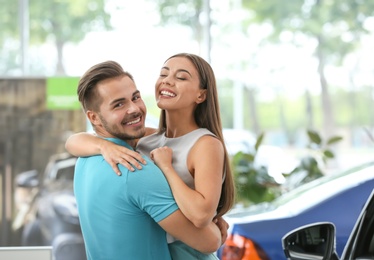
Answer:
(85, 144)
(206, 240)
(205, 162)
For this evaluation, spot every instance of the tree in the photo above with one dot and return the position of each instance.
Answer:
(8, 20)
(8, 25)
(336, 28)
(59, 21)
(188, 13)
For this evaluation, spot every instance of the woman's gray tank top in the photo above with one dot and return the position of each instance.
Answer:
(181, 147)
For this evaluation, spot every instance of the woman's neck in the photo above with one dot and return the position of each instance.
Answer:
(178, 125)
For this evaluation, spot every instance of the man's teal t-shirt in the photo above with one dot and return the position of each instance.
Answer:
(119, 214)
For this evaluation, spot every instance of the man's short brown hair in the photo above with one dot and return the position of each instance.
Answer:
(87, 91)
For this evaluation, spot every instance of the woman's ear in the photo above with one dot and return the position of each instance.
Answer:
(202, 96)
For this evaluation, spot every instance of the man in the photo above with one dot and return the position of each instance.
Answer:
(126, 217)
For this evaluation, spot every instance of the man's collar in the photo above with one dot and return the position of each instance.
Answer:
(119, 142)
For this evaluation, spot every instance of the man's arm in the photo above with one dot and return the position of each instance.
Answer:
(205, 240)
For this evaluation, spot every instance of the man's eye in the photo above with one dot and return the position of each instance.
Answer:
(119, 105)
(163, 75)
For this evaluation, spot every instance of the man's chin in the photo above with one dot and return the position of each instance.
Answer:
(135, 135)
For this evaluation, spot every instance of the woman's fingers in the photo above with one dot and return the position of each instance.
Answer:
(129, 162)
(115, 168)
(130, 159)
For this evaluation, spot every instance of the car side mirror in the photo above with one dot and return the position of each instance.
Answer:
(314, 241)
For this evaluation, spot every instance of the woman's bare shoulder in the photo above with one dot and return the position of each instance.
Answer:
(209, 142)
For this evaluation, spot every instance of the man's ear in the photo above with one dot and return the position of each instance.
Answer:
(202, 96)
(93, 117)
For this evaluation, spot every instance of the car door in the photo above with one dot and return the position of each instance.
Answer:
(360, 244)
(317, 240)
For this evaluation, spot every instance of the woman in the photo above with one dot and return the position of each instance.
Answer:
(188, 145)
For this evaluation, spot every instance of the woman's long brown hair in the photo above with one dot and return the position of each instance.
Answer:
(207, 115)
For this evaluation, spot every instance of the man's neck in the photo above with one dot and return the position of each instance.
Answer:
(132, 143)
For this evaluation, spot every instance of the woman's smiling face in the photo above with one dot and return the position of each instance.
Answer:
(178, 84)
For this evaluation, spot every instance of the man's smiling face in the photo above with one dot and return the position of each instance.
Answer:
(122, 111)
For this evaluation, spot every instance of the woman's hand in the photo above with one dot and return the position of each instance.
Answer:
(223, 227)
(163, 157)
(115, 154)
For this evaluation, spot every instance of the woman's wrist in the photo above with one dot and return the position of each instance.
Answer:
(100, 144)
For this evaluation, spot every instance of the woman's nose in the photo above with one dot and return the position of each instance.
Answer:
(166, 80)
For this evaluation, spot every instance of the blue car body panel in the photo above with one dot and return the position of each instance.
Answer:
(342, 209)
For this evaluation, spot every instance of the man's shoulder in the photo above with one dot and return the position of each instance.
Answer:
(148, 168)
(91, 158)
(150, 175)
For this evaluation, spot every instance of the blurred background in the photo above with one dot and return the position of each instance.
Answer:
(282, 67)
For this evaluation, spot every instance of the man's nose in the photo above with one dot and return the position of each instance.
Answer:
(133, 108)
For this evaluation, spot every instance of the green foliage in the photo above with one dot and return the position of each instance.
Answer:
(322, 147)
(352, 106)
(62, 20)
(311, 165)
(254, 184)
(329, 22)
(66, 20)
(336, 27)
(182, 12)
(57, 21)
(8, 20)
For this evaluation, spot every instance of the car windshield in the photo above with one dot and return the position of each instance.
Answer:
(324, 187)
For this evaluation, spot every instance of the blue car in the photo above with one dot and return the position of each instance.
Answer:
(256, 232)
(317, 240)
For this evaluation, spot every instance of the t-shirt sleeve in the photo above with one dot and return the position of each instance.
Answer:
(151, 192)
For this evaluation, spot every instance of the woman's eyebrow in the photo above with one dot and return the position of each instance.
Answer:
(180, 70)
(183, 70)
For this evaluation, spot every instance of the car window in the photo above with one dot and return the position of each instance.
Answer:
(65, 173)
(63, 169)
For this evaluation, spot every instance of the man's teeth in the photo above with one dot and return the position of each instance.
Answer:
(133, 122)
(167, 93)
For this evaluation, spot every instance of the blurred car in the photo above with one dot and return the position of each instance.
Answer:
(256, 232)
(317, 240)
(47, 213)
(273, 157)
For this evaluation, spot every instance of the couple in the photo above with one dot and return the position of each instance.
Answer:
(125, 217)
